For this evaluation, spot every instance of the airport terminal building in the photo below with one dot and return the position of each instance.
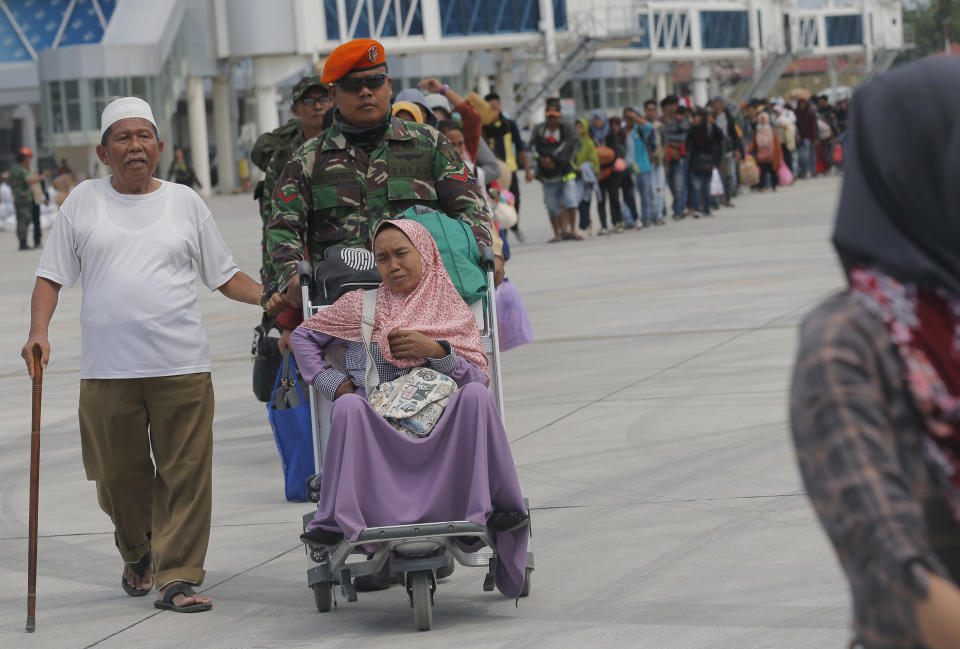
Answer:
(219, 72)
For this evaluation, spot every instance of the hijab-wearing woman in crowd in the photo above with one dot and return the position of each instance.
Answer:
(786, 127)
(875, 403)
(409, 111)
(765, 147)
(589, 170)
(374, 475)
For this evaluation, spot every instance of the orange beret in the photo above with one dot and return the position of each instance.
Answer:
(359, 54)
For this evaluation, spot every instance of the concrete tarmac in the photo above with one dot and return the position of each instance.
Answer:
(648, 424)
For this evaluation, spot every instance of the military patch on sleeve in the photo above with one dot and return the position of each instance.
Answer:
(284, 197)
(448, 151)
(461, 176)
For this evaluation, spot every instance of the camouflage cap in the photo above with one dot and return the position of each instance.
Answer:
(309, 81)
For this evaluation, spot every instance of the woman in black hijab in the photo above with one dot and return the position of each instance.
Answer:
(875, 401)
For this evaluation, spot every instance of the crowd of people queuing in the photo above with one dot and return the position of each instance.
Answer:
(704, 156)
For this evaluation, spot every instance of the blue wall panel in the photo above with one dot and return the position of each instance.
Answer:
(559, 14)
(724, 30)
(643, 25)
(39, 20)
(330, 13)
(844, 30)
(11, 47)
(472, 17)
(83, 27)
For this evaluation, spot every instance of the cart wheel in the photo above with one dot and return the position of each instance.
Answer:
(323, 595)
(422, 600)
(525, 590)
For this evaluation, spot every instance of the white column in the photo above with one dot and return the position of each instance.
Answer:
(662, 87)
(268, 118)
(197, 123)
(753, 29)
(165, 130)
(483, 85)
(868, 38)
(222, 130)
(701, 73)
(548, 30)
(832, 73)
(28, 128)
(267, 72)
(430, 9)
(503, 83)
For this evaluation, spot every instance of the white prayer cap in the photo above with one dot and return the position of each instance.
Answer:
(124, 108)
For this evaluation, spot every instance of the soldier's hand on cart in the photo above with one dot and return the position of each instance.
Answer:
(275, 305)
(406, 343)
(347, 387)
(27, 352)
(292, 295)
(498, 270)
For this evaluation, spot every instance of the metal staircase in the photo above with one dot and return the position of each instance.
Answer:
(764, 82)
(573, 61)
(881, 63)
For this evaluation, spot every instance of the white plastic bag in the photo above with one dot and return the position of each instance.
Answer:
(716, 184)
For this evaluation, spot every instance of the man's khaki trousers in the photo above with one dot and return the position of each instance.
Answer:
(163, 508)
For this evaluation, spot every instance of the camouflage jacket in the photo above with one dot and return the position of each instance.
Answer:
(270, 153)
(22, 195)
(334, 193)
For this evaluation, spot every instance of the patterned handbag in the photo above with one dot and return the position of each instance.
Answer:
(412, 403)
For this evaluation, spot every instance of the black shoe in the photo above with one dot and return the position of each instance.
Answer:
(321, 537)
(23, 245)
(507, 521)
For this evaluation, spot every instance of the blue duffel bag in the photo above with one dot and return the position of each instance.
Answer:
(289, 414)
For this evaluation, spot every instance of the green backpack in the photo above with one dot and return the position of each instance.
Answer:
(458, 248)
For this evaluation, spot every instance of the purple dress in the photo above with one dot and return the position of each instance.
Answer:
(462, 471)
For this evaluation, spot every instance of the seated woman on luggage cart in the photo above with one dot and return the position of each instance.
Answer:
(374, 475)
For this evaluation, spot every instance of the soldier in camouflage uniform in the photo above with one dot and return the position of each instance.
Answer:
(366, 168)
(310, 100)
(20, 180)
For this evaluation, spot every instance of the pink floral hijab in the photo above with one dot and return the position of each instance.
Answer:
(924, 324)
(433, 307)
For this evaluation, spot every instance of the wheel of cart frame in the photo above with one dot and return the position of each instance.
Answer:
(323, 595)
(422, 600)
(525, 590)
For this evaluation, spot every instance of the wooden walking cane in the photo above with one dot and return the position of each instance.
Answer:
(34, 491)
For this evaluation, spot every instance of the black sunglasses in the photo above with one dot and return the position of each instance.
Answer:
(310, 101)
(354, 84)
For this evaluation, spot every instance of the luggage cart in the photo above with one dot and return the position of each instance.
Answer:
(416, 550)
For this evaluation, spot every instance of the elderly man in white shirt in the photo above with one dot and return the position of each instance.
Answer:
(145, 381)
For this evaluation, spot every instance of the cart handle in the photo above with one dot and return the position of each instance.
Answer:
(487, 259)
